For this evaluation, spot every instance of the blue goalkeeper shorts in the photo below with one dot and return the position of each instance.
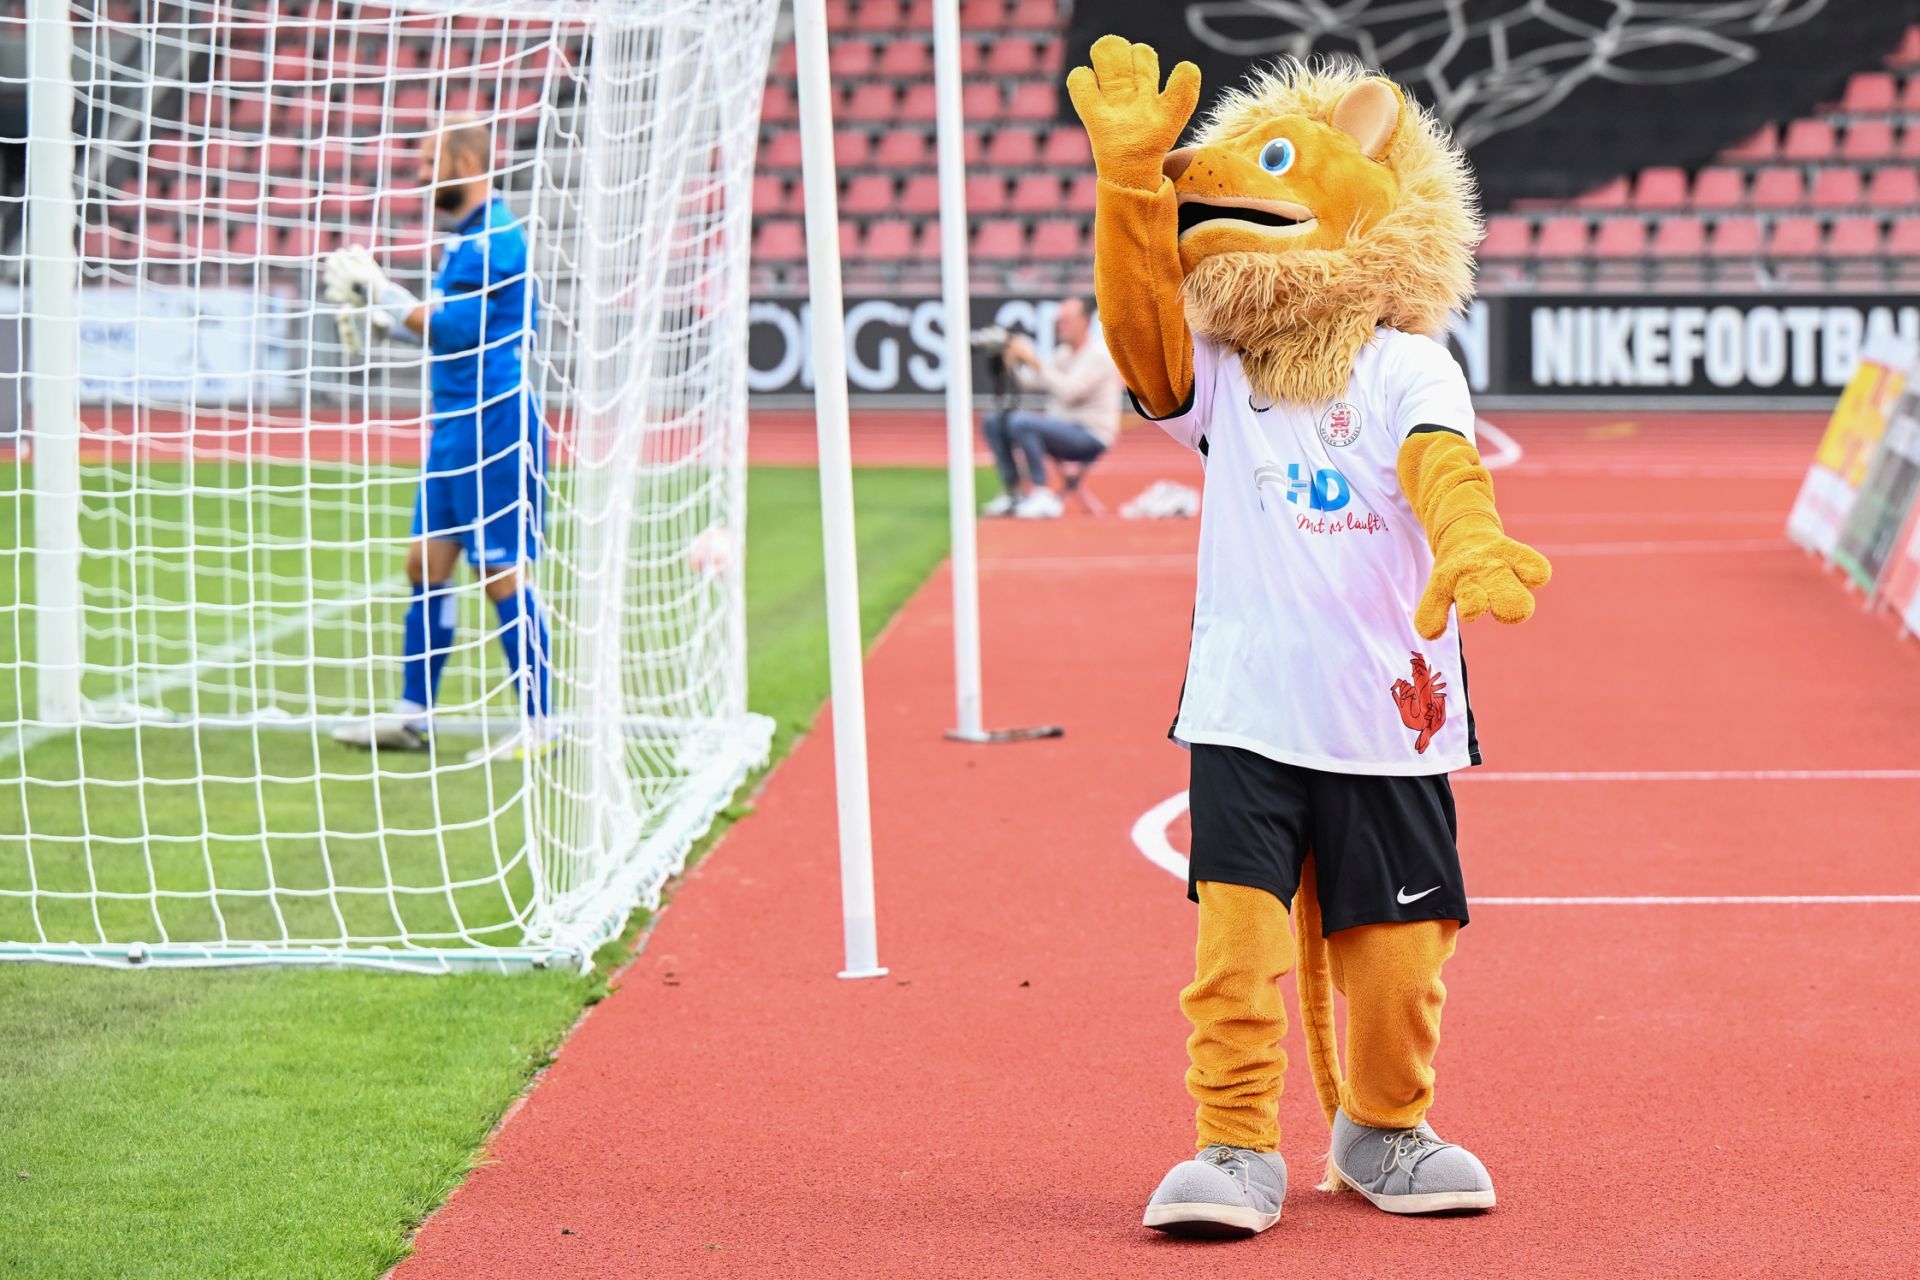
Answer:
(485, 489)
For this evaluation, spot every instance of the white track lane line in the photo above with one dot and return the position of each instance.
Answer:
(1150, 838)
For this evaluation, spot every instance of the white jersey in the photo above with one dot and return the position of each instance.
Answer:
(1311, 565)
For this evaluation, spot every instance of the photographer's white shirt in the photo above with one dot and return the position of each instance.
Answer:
(1082, 386)
(1311, 565)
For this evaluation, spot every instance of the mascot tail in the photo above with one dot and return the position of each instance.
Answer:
(1314, 974)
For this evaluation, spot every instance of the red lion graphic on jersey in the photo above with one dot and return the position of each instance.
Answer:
(1423, 703)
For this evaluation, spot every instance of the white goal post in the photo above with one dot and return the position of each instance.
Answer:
(209, 485)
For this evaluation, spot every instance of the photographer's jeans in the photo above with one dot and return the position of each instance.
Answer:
(1038, 437)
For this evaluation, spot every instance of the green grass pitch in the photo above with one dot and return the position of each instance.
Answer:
(215, 1123)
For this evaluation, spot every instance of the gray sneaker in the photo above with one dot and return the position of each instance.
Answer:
(1223, 1193)
(1409, 1170)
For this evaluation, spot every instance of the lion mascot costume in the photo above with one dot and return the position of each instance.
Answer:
(1273, 295)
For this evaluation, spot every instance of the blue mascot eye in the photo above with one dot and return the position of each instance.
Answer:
(1277, 156)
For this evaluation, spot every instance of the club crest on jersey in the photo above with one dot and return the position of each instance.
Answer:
(1339, 426)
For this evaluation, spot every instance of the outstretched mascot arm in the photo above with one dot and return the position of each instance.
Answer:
(1132, 125)
(1476, 566)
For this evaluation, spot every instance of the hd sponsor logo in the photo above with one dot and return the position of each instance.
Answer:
(1322, 498)
(1738, 345)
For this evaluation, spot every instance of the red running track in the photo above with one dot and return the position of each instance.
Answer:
(1660, 1090)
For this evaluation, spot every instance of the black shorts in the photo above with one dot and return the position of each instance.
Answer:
(1384, 847)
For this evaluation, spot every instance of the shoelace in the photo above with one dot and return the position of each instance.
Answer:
(1229, 1161)
(1406, 1148)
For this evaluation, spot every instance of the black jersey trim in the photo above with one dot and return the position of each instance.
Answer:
(1428, 428)
(1186, 406)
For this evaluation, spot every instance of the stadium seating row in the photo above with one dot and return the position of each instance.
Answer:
(1679, 235)
(1658, 190)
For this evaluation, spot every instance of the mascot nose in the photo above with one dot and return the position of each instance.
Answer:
(1177, 161)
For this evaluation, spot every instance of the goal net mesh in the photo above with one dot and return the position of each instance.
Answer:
(208, 500)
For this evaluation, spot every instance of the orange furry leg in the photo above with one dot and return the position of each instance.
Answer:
(1390, 974)
(1235, 1063)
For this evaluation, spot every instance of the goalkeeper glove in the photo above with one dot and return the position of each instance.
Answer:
(352, 279)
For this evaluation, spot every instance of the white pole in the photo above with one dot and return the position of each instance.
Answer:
(953, 290)
(53, 331)
(836, 490)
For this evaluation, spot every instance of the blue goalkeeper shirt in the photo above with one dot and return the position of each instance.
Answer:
(477, 333)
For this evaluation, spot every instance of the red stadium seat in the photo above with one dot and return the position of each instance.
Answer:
(1735, 238)
(1910, 143)
(1507, 237)
(785, 61)
(999, 240)
(779, 240)
(1762, 144)
(1894, 187)
(868, 193)
(1719, 189)
(988, 14)
(1779, 189)
(1081, 193)
(778, 106)
(973, 57)
(890, 242)
(904, 149)
(1056, 240)
(769, 194)
(1561, 238)
(1904, 240)
(1869, 93)
(1611, 195)
(849, 241)
(1910, 96)
(982, 102)
(1034, 15)
(851, 59)
(1836, 189)
(905, 60)
(1663, 188)
(1808, 140)
(918, 103)
(1867, 140)
(921, 194)
(1015, 56)
(986, 194)
(781, 151)
(850, 148)
(874, 102)
(1037, 193)
(1908, 54)
(1794, 238)
(1621, 238)
(1013, 149)
(1854, 238)
(1679, 236)
(877, 15)
(1033, 100)
(1066, 148)
(1053, 61)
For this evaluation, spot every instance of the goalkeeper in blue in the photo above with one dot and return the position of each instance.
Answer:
(481, 494)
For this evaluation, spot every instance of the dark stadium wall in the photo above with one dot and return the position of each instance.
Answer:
(1554, 97)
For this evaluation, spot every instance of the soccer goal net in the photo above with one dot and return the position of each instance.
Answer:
(372, 471)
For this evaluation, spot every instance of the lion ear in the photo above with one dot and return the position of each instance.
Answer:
(1370, 113)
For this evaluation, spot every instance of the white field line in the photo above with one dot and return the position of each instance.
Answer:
(1150, 839)
(1691, 775)
(24, 739)
(1504, 449)
(1671, 546)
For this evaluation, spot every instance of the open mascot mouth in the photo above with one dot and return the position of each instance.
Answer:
(1277, 215)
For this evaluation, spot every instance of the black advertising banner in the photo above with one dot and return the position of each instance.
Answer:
(1548, 349)
(1549, 99)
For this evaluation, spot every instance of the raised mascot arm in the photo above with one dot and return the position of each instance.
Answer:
(1131, 125)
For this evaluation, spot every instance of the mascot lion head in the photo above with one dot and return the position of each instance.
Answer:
(1317, 203)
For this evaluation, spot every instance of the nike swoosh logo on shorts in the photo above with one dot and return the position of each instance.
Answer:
(1405, 897)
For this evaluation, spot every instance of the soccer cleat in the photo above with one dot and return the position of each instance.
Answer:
(999, 506)
(1224, 1193)
(1040, 504)
(394, 731)
(1409, 1170)
(522, 744)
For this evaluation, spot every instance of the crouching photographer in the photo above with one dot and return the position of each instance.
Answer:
(1078, 424)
